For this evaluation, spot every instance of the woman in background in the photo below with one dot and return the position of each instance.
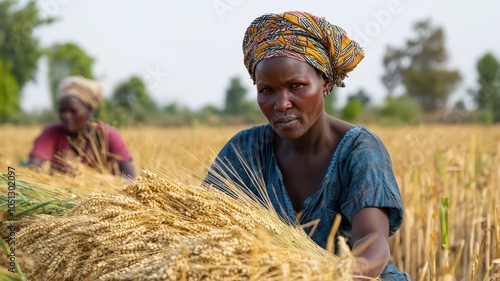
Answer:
(78, 137)
(306, 161)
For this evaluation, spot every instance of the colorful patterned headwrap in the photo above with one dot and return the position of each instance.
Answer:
(304, 37)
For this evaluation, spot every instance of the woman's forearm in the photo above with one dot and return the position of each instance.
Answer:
(372, 254)
(127, 169)
(34, 162)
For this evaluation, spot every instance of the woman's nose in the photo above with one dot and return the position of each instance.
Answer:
(66, 116)
(282, 102)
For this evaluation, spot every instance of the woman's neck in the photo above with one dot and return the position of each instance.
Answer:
(82, 131)
(318, 139)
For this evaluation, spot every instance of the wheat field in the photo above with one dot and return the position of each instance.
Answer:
(460, 162)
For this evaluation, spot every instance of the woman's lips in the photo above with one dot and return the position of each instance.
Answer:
(68, 125)
(285, 122)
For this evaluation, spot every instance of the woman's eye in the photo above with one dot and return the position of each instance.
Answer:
(295, 85)
(265, 91)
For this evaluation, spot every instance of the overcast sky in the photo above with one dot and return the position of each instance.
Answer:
(186, 51)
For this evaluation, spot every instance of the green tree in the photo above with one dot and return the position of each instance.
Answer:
(361, 96)
(172, 108)
(174, 115)
(18, 45)
(487, 96)
(399, 111)
(9, 92)
(235, 97)
(251, 113)
(131, 103)
(352, 110)
(460, 105)
(65, 60)
(211, 110)
(420, 67)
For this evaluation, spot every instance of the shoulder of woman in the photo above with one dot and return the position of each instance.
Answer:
(361, 135)
(252, 134)
(53, 128)
(369, 137)
(105, 127)
(361, 142)
(249, 140)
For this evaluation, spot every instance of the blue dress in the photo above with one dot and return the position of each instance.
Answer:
(359, 175)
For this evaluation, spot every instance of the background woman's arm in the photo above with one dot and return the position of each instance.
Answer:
(34, 162)
(127, 169)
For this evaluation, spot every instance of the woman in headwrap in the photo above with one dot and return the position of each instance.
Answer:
(308, 162)
(77, 136)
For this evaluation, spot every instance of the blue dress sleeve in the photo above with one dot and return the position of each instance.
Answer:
(226, 168)
(241, 162)
(368, 180)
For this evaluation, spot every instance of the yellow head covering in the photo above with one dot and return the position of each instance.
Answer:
(304, 37)
(89, 92)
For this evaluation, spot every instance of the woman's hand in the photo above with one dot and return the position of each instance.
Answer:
(34, 162)
(127, 169)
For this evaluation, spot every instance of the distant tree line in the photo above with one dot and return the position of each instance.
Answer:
(419, 85)
(416, 77)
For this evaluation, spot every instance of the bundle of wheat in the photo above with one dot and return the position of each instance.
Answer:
(163, 230)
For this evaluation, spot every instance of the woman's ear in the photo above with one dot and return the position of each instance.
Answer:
(328, 86)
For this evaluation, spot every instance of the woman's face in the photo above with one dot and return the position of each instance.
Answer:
(290, 94)
(73, 114)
